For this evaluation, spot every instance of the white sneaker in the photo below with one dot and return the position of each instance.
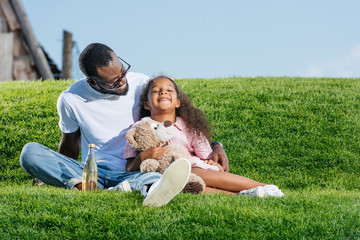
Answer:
(153, 186)
(170, 184)
(253, 192)
(265, 191)
(122, 187)
(272, 191)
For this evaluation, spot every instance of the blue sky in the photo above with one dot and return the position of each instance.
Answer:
(208, 38)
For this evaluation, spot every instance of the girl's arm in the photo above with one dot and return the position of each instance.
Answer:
(133, 164)
(205, 164)
(204, 150)
(212, 163)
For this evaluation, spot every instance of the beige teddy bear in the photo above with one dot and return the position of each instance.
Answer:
(148, 133)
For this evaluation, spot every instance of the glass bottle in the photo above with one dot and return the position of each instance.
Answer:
(90, 172)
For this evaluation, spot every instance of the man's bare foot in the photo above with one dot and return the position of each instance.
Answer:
(79, 186)
(37, 181)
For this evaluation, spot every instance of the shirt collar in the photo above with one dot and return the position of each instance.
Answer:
(179, 124)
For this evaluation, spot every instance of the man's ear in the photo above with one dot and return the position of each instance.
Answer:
(91, 82)
(146, 106)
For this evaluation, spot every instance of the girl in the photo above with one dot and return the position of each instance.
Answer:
(162, 100)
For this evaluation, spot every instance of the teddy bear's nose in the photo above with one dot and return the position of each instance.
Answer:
(167, 123)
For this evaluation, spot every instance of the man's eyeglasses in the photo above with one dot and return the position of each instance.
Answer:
(104, 85)
(117, 82)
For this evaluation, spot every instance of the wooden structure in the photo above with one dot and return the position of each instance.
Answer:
(66, 72)
(21, 56)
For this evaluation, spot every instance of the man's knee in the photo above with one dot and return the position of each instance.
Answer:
(27, 155)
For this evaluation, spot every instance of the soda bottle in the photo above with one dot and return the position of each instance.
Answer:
(90, 172)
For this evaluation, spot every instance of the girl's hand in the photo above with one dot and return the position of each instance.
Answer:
(212, 163)
(154, 153)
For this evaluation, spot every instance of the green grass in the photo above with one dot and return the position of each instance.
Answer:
(301, 134)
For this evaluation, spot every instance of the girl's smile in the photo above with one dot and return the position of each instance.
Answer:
(162, 98)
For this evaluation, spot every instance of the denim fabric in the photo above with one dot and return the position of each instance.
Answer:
(58, 170)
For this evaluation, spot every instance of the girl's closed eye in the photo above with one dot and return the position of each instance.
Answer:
(157, 90)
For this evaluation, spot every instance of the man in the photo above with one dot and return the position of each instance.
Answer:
(99, 110)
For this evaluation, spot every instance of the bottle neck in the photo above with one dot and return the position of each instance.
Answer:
(91, 151)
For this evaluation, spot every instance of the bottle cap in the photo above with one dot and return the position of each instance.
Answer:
(91, 145)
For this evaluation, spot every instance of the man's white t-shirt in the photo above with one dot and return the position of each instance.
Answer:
(103, 119)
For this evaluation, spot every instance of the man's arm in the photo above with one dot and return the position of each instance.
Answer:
(133, 164)
(219, 155)
(70, 144)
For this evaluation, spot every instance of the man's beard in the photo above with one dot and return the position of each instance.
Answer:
(110, 91)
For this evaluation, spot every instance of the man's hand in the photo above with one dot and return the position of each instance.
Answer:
(219, 156)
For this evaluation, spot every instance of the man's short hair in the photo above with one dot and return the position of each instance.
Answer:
(93, 56)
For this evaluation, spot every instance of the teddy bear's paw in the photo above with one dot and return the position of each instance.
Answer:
(195, 184)
(149, 165)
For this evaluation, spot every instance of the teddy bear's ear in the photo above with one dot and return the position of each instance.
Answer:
(131, 138)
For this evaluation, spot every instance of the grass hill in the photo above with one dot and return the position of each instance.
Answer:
(302, 134)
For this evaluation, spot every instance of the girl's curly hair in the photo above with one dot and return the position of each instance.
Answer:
(195, 119)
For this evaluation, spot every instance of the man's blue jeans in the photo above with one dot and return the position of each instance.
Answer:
(59, 170)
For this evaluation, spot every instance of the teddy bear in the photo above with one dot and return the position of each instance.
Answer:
(148, 133)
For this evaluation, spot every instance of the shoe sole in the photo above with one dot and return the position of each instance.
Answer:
(171, 184)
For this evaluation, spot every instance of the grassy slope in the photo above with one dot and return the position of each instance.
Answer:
(301, 134)
(291, 131)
